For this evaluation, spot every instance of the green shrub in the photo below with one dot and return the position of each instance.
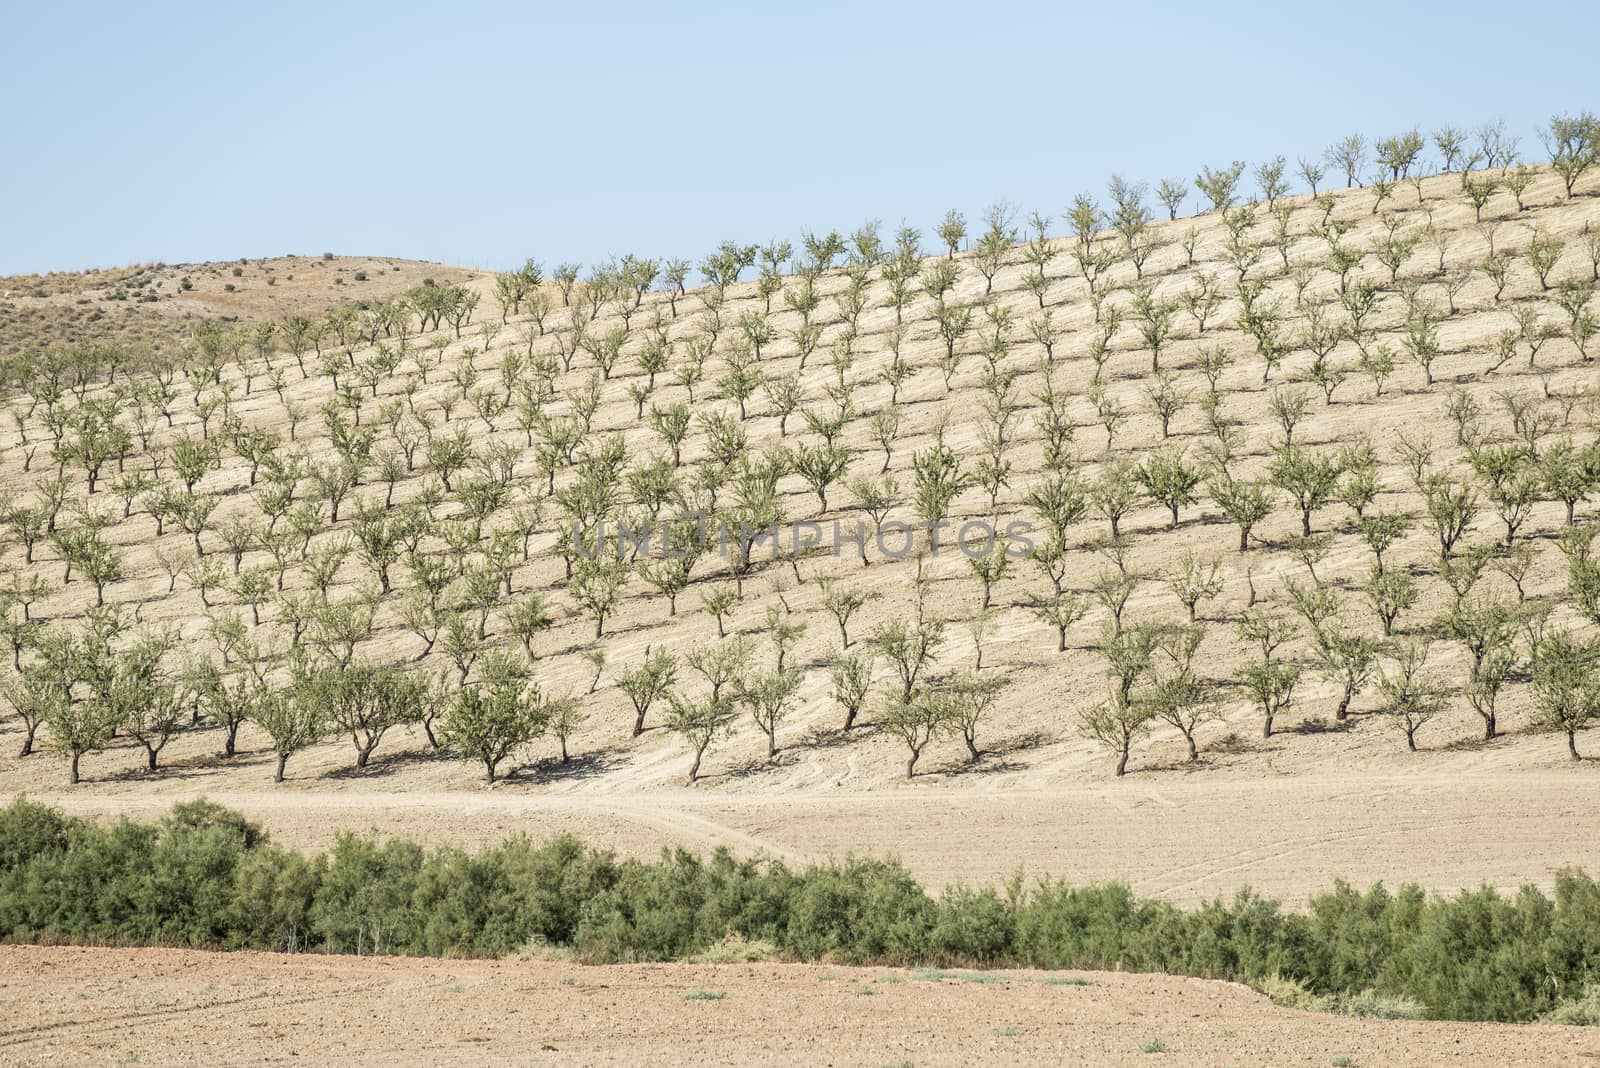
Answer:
(205, 876)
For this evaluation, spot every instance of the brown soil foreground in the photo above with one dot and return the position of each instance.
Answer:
(96, 1006)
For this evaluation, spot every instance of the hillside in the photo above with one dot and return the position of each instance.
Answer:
(454, 460)
(158, 306)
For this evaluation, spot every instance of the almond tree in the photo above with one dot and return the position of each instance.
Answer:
(952, 231)
(1194, 580)
(767, 696)
(647, 683)
(1271, 684)
(494, 717)
(79, 726)
(1169, 480)
(227, 697)
(1486, 627)
(1269, 178)
(291, 724)
(700, 723)
(1177, 695)
(361, 700)
(1410, 696)
(915, 717)
(1390, 592)
(145, 702)
(842, 602)
(852, 680)
(1573, 142)
(821, 466)
(910, 647)
(597, 585)
(1171, 192)
(1346, 658)
(1311, 479)
(1220, 186)
(1060, 610)
(968, 700)
(1348, 155)
(1566, 684)
(995, 243)
(35, 696)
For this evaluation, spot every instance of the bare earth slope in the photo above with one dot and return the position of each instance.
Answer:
(150, 305)
(154, 1007)
(1286, 814)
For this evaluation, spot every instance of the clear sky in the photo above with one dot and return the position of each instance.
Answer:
(481, 134)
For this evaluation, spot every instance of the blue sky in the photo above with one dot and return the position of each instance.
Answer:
(483, 134)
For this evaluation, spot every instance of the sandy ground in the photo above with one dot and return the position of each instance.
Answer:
(149, 1007)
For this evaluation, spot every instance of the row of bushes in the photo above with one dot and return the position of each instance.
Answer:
(205, 876)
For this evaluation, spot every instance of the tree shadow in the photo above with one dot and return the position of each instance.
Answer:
(1477, 743)
(579, 766)
(383, 765)
(753, 766)
(1317, 725)
(1000, 756)
(201, 766)
(824, 738)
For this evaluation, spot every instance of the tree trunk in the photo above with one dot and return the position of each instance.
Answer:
(150, 757)
(75, 755)
(972, 749)
(1572, 747)
(283, 759)
(850, 719)
(638, 723)
(27, 739)
(1194, 753)
(362, 754)
(489, 766)
(694, 769)
(1061, 639)
(1411, 738)
(1488, 727)
(772, 740)
(1122, 762)
(1266, 727)
(1244, 539)
(1343, 710)
(231, 744)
